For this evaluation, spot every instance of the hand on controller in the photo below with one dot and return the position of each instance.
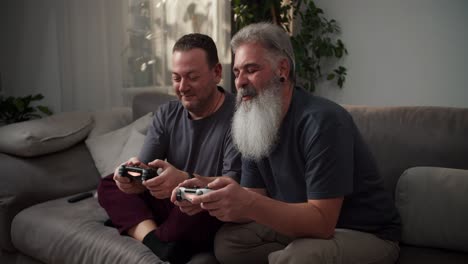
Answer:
(127, 184)
(185, 205)
(135, 173)
(228, 201)
(161, 187)
(187, 194)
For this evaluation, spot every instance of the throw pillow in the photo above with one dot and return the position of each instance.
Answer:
(107, 149)
(109, 120)
(132, 146)
(433, 207)
(46, 135)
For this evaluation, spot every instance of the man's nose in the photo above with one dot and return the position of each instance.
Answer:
(184, 85)
(241, 81)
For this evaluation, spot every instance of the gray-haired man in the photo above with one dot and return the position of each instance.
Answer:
(310, 191)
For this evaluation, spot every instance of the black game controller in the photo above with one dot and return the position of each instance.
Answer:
(187, 194)
(143, 174)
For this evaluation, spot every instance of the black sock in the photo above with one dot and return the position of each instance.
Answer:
(162, 249)
(175, 252)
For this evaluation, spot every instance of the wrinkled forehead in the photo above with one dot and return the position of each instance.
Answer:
(248, 54)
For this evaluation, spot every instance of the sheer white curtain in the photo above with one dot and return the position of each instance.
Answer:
(153, 26)
(113, 49)
(90, 38)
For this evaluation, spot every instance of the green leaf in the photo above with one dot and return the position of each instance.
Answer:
(37, 97)
(338, 52)
(315, 44)
(19, 104)
(44, 110)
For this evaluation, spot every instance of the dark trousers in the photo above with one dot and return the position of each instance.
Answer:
(128, 210)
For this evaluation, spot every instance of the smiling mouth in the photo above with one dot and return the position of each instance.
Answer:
(187, 96)
(247, 93)
(247, 97)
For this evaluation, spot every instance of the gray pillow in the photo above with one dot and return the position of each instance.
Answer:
(111, 149)
(45, 135)
(433, 205)
(109, 120)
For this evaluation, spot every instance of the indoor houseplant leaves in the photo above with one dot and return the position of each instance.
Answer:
(17, 109)
(315, 44)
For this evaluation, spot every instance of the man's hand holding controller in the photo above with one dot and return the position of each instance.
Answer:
(125, 183)
(183, 194)
(188, 194)
(227, 200)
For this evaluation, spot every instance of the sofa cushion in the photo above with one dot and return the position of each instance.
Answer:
(62, 232)
(433, 207)
(45, 135)
(110, 150)
(28, 181)
(106, 121)
(132, 147)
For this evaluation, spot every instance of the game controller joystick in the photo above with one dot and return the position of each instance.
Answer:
(187, 194)
(143, 174)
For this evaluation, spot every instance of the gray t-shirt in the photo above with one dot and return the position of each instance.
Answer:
(201, 146)
(320, 155)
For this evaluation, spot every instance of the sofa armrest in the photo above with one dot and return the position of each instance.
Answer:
(29, 181)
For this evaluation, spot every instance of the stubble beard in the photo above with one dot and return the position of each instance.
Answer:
(256, 121)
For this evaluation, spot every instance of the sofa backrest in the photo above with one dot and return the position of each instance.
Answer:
(399, 137)
(149, 102)
(405, 137)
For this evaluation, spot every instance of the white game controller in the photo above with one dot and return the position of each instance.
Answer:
(187, 194)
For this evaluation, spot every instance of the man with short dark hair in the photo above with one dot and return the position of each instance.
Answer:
(194, 136)
(310, 191)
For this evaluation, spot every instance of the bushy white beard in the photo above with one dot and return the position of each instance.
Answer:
(256, 122)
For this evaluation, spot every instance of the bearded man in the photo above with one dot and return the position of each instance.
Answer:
(310, 191)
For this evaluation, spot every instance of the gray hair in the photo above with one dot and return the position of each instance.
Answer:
(273, 38)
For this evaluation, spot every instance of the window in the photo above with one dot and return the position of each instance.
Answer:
(152, 28)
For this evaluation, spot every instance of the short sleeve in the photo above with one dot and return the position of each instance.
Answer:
(329, 161)
(251, 177)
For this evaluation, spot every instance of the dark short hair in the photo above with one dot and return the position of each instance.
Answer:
(200, 41)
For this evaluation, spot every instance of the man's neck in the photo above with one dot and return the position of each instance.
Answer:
(286, 98)
(216, 103)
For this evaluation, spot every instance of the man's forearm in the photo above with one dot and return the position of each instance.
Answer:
(292, 219)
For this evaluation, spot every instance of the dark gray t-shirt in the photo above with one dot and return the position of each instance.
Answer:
(198, 146)
(320, 155)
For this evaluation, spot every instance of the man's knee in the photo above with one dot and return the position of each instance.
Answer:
(245, 243)
(306, 250)
(347, 246)
(223, 243)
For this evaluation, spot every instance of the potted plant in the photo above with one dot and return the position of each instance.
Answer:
(17, 109)
(315, 44)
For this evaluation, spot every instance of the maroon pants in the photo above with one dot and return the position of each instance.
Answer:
(127, 210)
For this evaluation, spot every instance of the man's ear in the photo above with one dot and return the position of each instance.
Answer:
(218, 71)
(284, 68)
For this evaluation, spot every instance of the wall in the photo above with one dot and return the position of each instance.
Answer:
(402, 52)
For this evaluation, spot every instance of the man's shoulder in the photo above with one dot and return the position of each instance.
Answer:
(317, 110)
(171, 107)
